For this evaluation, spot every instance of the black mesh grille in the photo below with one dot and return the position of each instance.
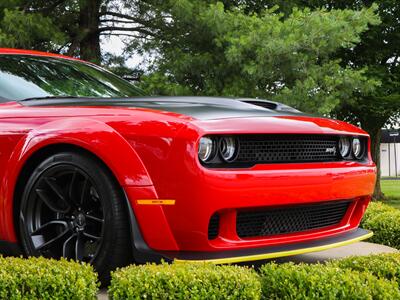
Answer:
(290, 219)
(213, 227)
(287, 148)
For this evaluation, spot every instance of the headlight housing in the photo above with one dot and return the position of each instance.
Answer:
(357, 147)
(228, 148)
(207, 149)
(344, 146)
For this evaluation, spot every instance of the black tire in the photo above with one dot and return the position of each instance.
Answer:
(73, 207)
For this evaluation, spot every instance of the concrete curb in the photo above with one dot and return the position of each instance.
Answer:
(102, 295)
(356, 249)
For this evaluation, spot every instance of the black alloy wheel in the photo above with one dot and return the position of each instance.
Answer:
(72, 207)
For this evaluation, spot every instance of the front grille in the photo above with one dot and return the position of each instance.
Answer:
(287, 148)
(284, 220)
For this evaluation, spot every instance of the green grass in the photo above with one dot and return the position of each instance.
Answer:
(391, 189)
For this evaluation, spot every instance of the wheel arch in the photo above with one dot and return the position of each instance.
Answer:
(36, 158)
(94, 138)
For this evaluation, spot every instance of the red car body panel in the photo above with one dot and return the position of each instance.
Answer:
(153, 155)
(34, 53)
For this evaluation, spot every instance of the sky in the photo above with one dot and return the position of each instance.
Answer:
(115, 46)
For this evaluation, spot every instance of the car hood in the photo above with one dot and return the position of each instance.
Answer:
(208, 114)
(200, 108)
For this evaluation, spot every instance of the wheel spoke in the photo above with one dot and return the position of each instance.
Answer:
(72, 187)
(53, 241)
(58, 191)
(79, 248)
(65, 246)
(93, 218)
(84, 191)
(51, 182)
(49, 202)
(91, 236)
(95, 197)
(48, 224)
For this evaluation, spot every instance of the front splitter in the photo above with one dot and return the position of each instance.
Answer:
(254, 254)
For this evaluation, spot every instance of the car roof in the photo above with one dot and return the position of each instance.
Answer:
(13, 51)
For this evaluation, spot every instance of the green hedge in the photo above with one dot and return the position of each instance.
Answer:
(376, 208)
(184, 281)
(381, 265)
(290, 281)
(40, 278)
(384, 221)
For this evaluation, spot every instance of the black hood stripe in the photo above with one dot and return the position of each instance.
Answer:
(202, 108)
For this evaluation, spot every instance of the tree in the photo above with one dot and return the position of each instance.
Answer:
(73, 27)
(378, 52)
(209, 50)
(21, 29)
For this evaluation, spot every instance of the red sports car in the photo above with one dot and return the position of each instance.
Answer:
(92, 170)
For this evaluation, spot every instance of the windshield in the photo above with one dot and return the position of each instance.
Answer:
(24, 76)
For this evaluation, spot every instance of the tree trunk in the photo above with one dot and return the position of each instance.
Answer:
(376, 157)
(89, 23)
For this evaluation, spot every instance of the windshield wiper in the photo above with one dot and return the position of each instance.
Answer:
(51, 97)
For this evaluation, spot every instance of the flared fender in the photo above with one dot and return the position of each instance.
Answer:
(91, 135)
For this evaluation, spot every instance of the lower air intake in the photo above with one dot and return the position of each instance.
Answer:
(213, 227)
(291, 219)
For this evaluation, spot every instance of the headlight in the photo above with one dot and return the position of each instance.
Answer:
(344, 146)
(206, 149)
(228, 148)
(357, 148)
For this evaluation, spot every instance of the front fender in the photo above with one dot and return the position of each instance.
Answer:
(91, 135)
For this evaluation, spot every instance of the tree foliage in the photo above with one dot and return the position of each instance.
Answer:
(73, 27)
(21, 29)
(210, 50)
(378, 53)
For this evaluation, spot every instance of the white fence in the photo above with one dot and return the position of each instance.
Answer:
(390, 159)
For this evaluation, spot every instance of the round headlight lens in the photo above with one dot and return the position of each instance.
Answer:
(357, 148)
(344, 146)
(206, 149)
(228, 148)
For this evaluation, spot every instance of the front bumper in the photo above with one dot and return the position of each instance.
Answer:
(196, 193)
(254, 254)
(200, 192)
